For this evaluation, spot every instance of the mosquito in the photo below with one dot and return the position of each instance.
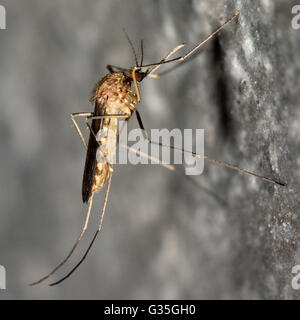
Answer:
(114, 99)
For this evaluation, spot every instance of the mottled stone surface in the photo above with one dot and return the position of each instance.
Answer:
(225, 235)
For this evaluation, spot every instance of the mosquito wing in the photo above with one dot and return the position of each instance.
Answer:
(91, 161)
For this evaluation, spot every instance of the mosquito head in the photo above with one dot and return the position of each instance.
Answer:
(140, 75)
(137, 74)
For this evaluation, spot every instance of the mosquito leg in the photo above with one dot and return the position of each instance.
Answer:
(94, 238)
(168, 166)
(197, 47)
(74, 246)
(194, 49)
(139, 119)
(89, 115)
(151, 73)
(221, 163)
(106, 116)
(145, 135)
(73, 116)
(147, 156)
(80, 114)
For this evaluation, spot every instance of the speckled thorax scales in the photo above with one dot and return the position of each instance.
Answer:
(112, 95)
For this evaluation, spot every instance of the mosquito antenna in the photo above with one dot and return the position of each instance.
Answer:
(74, 246)
(132, 47)
(197, 47)
(222, 163)
(142, 52)
(94, 238)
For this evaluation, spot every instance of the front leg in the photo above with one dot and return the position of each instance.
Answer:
(88, 116)
(80, 114)
(140, 122)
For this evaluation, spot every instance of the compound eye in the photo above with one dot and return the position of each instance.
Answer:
(138, 76)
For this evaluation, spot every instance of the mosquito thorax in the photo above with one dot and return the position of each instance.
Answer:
(115, 87)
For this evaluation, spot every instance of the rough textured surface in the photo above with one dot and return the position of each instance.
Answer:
(163, 236)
